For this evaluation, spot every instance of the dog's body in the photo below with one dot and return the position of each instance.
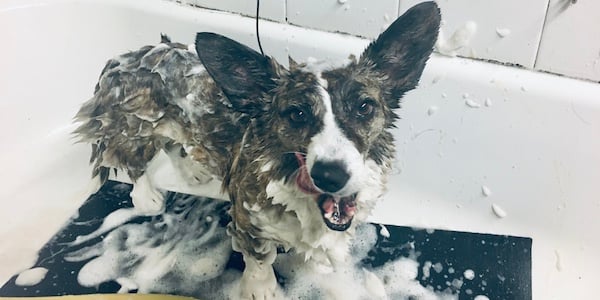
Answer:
(303, 156)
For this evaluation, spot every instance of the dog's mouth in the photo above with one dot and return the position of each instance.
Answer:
(337, 212)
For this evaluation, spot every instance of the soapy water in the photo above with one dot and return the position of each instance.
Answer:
(185, 251)
(31, 277)
(460, 38)
(186, 245)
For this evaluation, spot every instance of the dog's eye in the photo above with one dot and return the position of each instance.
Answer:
(297, 116)
(365, 108)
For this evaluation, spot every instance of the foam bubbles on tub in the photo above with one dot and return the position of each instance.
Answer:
(503, 32)
(472, 103)
(180, 248)
(112, 221)
(384, 231)
(558, 263)
(432, 110)
(488, 102)
(459, 39)
(186, 251)
(31, 277)
(486, 191)
(469, 274)
(499, 211)
(396, 279)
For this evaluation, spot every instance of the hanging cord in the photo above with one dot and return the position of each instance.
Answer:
(257, 36)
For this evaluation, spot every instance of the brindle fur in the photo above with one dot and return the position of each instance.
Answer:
(235, 120)
(136, 111)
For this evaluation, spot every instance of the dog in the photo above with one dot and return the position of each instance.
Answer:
(303, 155)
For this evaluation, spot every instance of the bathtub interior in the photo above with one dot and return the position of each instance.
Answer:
(474, 136)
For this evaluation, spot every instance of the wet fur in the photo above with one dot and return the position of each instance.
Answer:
(228, 116)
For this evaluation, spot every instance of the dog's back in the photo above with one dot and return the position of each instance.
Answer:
(157, 98)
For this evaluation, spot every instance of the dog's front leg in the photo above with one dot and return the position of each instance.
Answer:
(258, 280)
(146, 198)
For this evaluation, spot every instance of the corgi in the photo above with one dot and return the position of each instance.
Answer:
(302, 154)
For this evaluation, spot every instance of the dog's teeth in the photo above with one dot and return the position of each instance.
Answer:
(336, 212)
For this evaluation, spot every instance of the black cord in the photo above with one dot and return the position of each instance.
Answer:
(257, 36)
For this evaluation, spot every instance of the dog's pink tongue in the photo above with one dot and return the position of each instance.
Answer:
(300, 158)
(328, 205)
(303, 179)
(350, 208)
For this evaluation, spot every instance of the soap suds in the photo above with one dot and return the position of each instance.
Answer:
(426, 270)
(374, 285)
(187, 248)
(498, 211)
(127, 285)
(558, 263)
(488, 102)
(432, 110)
(486, 191)
(459, 39)
(112, 221)
(472, 104)
(502, 32)
(384, 231)
(438, 267)
(469, 274)
(31, 277)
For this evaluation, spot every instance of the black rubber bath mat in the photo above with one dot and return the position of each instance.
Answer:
(107, 248)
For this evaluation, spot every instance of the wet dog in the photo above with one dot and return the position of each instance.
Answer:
(303, 154)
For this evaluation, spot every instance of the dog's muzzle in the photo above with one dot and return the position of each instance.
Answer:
(325, 179)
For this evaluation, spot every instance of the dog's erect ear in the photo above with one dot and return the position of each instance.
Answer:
(243, 74)
(402, 50)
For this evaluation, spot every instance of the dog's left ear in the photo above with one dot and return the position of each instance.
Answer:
(243, 74)
(401, 51)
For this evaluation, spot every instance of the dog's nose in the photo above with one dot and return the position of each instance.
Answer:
(329, 176)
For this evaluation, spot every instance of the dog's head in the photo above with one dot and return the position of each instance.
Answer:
(326, 133)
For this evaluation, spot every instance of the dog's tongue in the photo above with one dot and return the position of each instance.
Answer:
(303, 179)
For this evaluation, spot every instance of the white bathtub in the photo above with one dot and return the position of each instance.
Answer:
(533, 144)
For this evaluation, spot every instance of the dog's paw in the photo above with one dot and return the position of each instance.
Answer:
(189, 169)
(147, 200)
(258, 290)
(258, 283)
(374, 286)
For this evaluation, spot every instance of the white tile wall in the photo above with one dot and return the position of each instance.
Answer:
(269, 9)
(571, 39)
(359, 17)
(508, 31)
(520, 22)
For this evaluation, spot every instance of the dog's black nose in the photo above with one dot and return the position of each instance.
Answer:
(329, 176)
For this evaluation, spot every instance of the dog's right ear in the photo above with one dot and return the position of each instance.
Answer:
(401, 51)
(243, 74)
